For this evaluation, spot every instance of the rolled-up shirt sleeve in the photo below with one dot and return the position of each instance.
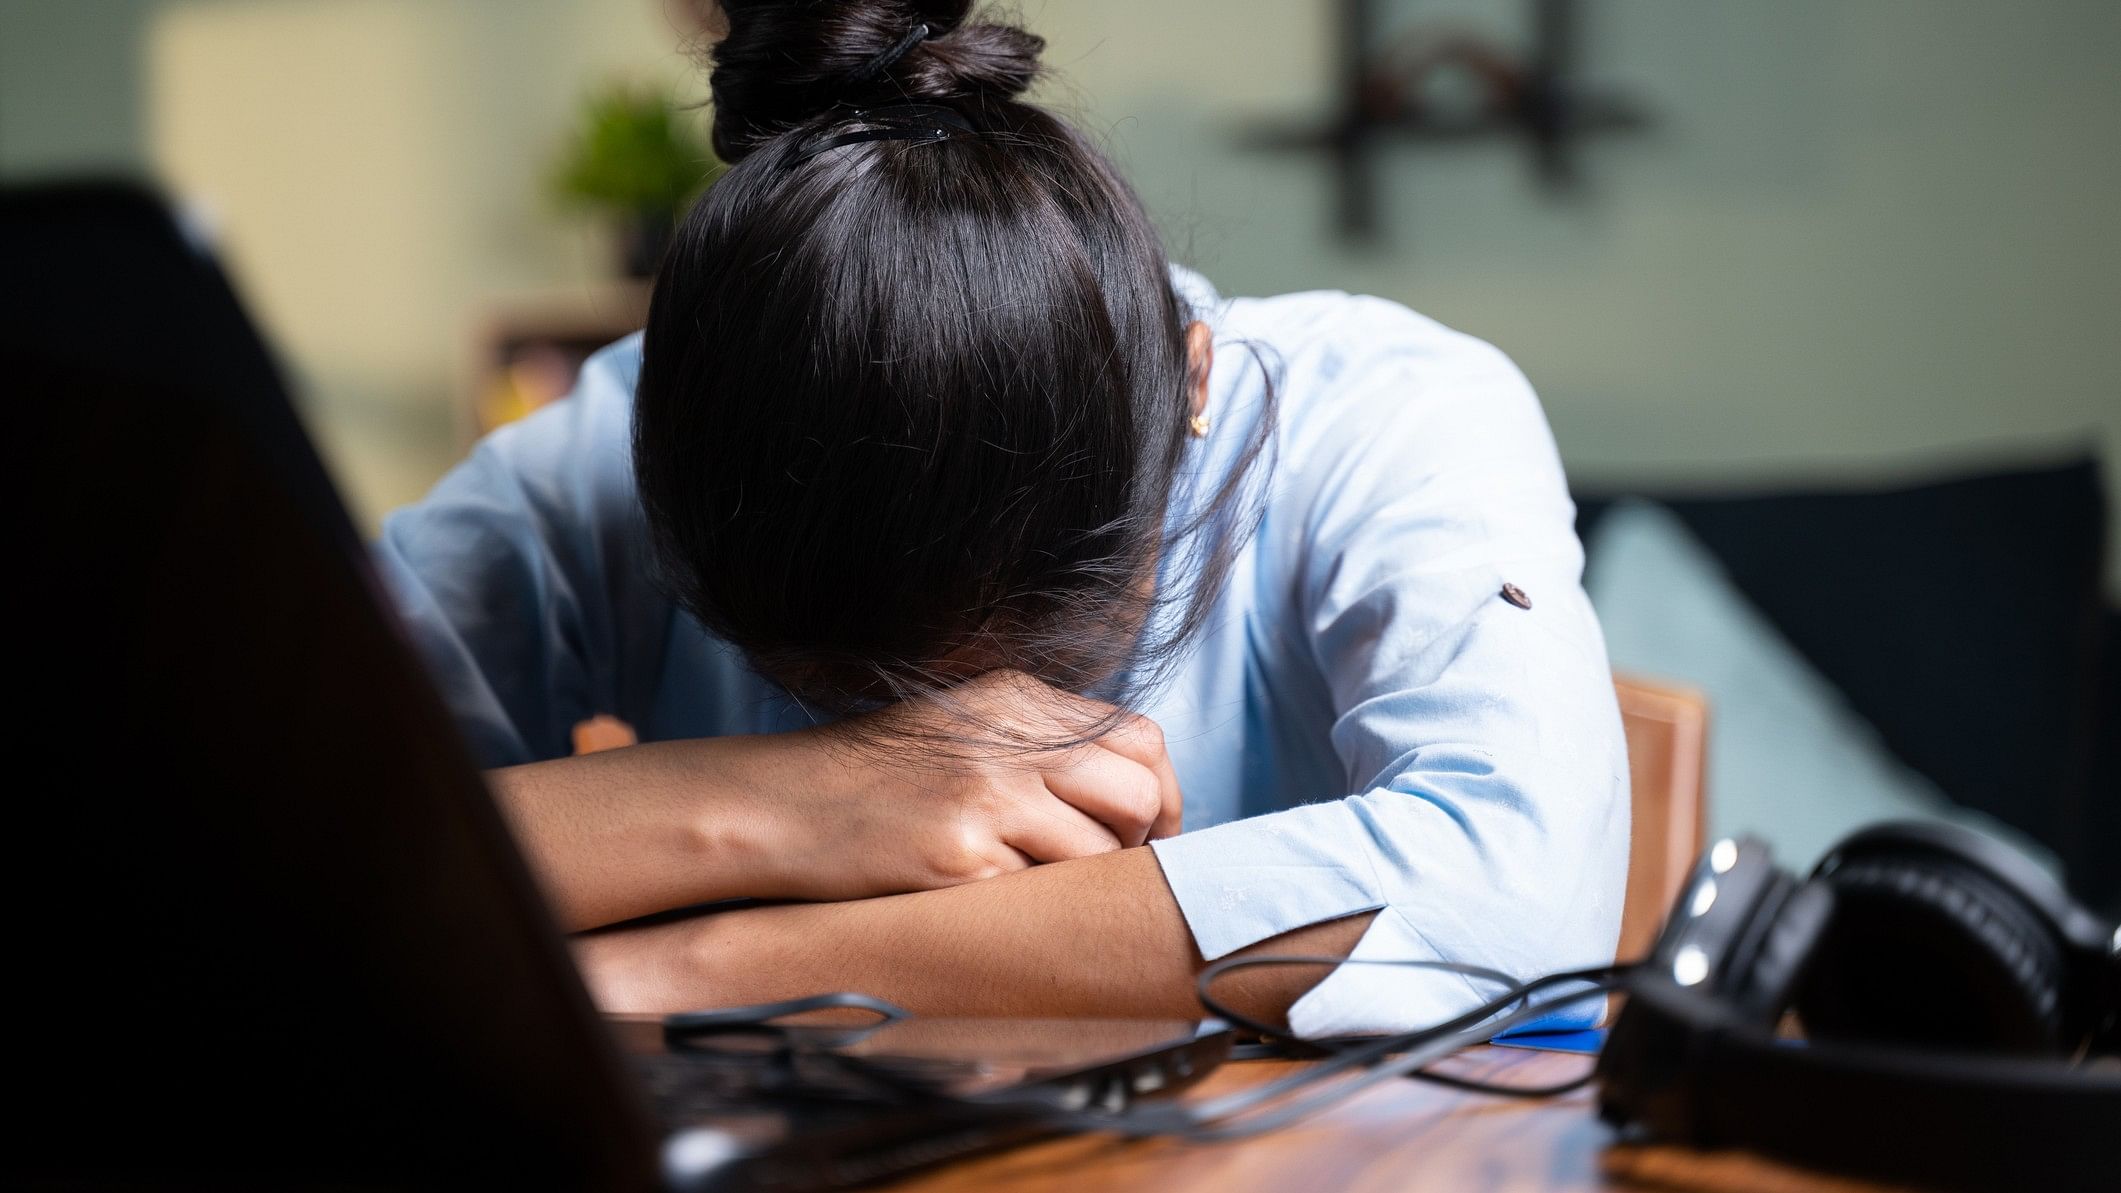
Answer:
(1488, 820)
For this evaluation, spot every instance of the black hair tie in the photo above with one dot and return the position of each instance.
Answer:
(919, 121)
(889, 58)
(915, 120)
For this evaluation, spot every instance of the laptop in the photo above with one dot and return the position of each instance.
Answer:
(269, 931)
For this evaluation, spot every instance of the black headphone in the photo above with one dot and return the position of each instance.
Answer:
(1961, 1016)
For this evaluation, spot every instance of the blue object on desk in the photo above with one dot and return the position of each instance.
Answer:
(1586, 1042)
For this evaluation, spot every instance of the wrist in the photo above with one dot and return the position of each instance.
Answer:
(760, 825)
(649, 970)
(762, 954)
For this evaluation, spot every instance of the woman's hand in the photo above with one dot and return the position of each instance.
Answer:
(904, 799)
(923, 795)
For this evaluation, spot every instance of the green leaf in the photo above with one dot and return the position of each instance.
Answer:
(635, 153)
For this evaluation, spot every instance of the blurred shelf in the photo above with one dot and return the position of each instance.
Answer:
(528, 348)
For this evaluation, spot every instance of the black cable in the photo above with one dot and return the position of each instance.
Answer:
(802, 1062)
(1504, 1089)
(1412, 1059)
(1298, 1046)
(684, 1027)
(1220, 1120)
(1603, 979)
(1239, 1115)
(1471, 1027)
(690, 1022)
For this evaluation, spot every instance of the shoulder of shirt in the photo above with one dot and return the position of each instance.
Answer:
(617, 363)
(1354, 365)
(608, 378)
(574, 457)
(1336, 327)
(597, 410)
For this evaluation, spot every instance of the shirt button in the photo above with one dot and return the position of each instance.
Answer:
(1516, 596)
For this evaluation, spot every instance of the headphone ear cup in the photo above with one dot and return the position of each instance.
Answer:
(1924, 950)
(1778, 953)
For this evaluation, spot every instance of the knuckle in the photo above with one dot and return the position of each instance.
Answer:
(1145, 797)
(974, 869)
(960, 858)
(1146, 731)
(985, 799)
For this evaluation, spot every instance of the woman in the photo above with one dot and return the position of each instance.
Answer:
(937, 531)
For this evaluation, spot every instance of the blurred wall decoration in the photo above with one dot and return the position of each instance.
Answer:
(1422, 85)
(1865, 240)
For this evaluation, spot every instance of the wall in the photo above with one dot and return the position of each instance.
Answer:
(71, 94)
(375, 169)
(1866, 238)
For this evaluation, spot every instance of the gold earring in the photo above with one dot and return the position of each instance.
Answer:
(1199, 425)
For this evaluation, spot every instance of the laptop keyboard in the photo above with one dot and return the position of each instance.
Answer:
(686, 1087)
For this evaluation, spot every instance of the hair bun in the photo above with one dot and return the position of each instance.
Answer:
(785, 61)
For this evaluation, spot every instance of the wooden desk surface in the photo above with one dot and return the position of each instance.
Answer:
(1402, 1135)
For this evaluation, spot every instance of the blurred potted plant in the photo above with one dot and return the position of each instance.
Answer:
(637, 159)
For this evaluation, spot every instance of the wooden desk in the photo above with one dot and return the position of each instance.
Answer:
(1401, 1136)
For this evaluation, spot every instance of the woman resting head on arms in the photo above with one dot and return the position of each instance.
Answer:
(916, 387)
(927, 542)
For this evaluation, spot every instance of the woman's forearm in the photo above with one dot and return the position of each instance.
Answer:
(838, 812)
(1097, 936)
(629, 832)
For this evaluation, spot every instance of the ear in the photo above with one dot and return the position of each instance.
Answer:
(1200, 357)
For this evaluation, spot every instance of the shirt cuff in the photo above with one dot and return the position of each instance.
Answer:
(1244, 881)
(1360, 1000)
(1370, 1000)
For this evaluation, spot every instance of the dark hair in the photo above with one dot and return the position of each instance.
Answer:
(913, 409)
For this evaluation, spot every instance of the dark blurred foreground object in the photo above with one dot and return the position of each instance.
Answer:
(1961, 1016)
(210, 1012)
(1964, 619)
(275, 933)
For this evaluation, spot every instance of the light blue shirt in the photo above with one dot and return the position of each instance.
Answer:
(1366, 723)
